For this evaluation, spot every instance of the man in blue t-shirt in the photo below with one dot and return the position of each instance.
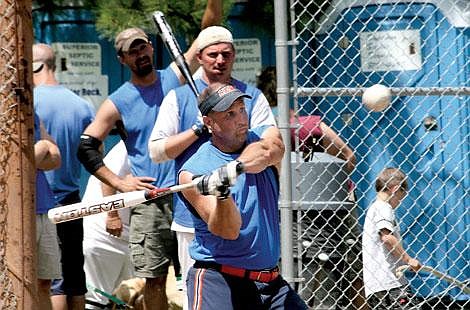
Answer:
(235, 210)
(46, 157)
(179, 131)
(135, 106)
(64, 115)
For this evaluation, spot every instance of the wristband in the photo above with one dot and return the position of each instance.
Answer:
(199, 129)
(240, 167)
(225, 193)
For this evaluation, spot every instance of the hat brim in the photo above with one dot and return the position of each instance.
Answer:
(127, 45)
(228, 100)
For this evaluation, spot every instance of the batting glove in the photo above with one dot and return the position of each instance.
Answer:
(212, 185)
(219, 182)
(232, 170)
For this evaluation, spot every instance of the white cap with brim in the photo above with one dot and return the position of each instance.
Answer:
(213, 35)
(126, 37)
(221, 99)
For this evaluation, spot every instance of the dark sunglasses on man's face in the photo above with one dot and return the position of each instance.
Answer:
(138, 49)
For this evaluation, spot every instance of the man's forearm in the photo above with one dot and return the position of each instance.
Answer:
(259, 155)
(47, 155)
(175, 145)
(105, 175)
(221, 215)
(225, 219)
(213, 14)
(107, 190)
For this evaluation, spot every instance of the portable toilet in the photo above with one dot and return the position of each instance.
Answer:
(425, 136)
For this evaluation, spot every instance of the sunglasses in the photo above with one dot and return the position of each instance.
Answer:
(138, 49)
(38, 69)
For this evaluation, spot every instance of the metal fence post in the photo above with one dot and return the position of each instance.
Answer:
(282, 69)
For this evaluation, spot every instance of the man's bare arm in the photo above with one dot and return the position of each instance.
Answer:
(266, 152)
(176, 144)
(222, 216)
(104, 121)
(212, 16)
(113, 220)
(165, 141)
(335, 146)
(46, 151)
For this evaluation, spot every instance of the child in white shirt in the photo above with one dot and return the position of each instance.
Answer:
(381, 245)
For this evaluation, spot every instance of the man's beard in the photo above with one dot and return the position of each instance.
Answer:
(144, 69)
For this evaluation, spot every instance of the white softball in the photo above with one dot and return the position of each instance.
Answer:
(323, 257)
(377, 97)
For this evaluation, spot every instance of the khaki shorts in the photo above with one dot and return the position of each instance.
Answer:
(151, 241)
(47, 244)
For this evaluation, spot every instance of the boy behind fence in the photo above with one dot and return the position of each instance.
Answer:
(381, 245)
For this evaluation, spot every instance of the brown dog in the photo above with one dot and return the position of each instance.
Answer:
(131, 292)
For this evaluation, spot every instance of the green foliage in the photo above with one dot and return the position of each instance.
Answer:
(260, 13)
(184, 16)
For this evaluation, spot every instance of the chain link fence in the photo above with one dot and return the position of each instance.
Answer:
(420, 50)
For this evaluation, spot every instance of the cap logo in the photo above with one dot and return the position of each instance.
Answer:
(221, 99)
(225, 90)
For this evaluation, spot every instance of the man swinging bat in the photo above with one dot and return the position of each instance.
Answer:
(136, 104)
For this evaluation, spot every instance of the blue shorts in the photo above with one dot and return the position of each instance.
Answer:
(209, 289)
(70, 241)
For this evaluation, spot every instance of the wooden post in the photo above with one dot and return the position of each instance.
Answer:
(18, 282)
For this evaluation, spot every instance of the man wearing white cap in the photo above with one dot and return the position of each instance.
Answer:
(136, 105)
(179, 130)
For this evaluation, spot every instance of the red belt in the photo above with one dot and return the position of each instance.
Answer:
(255, 275)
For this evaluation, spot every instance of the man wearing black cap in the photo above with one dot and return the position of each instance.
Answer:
(179, 130)
(237, 243)
(136, 105)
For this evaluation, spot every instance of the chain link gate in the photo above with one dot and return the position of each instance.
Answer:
(421, 51)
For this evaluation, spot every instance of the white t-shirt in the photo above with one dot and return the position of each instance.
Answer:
(379, 263)
(94, 226)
